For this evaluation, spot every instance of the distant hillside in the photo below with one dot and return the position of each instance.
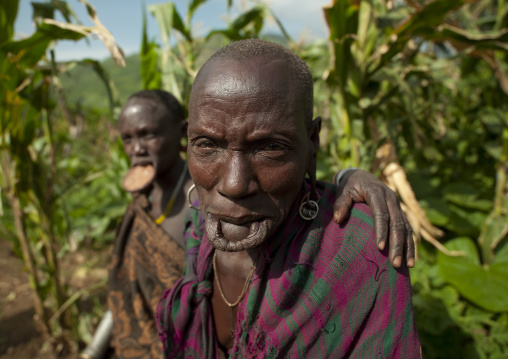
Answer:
(83, 85)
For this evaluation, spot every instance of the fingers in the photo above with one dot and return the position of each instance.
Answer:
(398, 233)
(342, 207)
(376, 199)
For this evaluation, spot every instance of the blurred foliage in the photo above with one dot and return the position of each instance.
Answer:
(428, 77)
(85, 89)
(49, 160)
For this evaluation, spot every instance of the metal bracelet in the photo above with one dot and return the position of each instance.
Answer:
(342, 173)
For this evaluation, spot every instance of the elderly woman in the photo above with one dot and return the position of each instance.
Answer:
(268, 271)
(148, 254)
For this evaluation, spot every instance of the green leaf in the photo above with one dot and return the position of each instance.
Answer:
(487, 287)
(493, 120)
(281, 27)
(113, 96)
(46, 10)
(8, 13)
(466, 196)
(501, 256)
(437, 210)
(150, 71)
(422, 23)
(32, 49)
(463, 39)
(194, 6)
(363, 23)
(246, 18)
(494, 231)
(342, 19)
(494, 149)
(169, 81)
(230, 34)
(43, 10)
(466, 221)
(28, 130)
(168, 18)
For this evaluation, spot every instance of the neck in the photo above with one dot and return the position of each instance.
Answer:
(244, 258)
(168, 179)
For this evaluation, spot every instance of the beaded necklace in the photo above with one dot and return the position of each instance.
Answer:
(171, 201)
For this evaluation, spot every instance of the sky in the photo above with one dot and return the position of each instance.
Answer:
(124, 19)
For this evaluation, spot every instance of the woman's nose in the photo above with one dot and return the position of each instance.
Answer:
(236, 179)
(138, 147)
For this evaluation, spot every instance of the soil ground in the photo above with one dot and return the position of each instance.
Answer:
(19, 338)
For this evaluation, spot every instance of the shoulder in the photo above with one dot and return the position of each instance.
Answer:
(359, 223)
(352, 242)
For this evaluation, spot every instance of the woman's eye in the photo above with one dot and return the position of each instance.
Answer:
(205, 144)
(273, 147)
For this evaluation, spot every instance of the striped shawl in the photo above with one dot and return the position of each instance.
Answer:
(320, 290)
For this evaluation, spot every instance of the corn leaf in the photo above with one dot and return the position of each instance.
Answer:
(150, 71)
(195, 4)
(8, 12)
(168, 18)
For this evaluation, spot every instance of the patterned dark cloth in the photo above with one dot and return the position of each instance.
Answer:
(145, 262)
(320, 290)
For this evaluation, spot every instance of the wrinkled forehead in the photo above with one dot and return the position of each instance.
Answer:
(256, 80)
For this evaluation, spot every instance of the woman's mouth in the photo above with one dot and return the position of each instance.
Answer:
(234, 235)
(236, 232)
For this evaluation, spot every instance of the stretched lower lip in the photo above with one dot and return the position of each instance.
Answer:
(236, 232)
(232, 237)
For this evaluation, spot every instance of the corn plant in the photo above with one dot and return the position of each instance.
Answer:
(420, 87)
(33, 138)
(173, 63)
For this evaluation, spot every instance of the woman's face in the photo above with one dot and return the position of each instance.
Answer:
(249, 150)
(149, 136)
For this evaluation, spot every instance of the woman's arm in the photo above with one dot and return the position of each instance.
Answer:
(390, 223)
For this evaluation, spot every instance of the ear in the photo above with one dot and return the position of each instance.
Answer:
(314, 129)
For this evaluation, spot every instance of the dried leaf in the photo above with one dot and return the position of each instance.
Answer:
(105, 36)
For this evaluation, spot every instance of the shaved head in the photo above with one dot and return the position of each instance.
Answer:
(246, 51)
(173, 110)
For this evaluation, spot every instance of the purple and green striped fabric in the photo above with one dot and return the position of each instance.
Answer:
(320, 290)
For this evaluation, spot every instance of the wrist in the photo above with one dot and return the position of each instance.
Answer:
(341, 174)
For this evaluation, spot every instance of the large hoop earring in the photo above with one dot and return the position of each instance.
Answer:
(189, 199)
(309, 209)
